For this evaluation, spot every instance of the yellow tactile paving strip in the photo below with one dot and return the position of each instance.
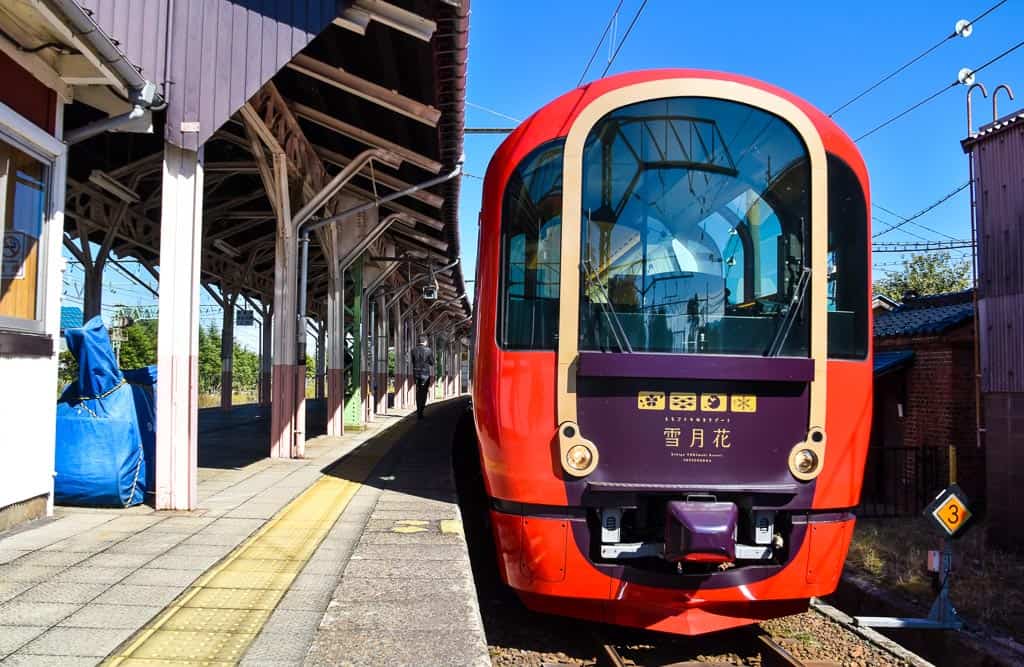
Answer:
(219, 615)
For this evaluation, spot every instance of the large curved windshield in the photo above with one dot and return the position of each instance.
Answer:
(696, 227)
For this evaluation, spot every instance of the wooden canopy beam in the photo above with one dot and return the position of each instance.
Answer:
(360, 87)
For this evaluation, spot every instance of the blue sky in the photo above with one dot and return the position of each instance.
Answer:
(523, 54)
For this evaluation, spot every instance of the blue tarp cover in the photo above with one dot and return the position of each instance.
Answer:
(106, 426)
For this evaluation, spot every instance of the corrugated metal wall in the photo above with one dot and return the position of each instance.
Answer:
(140, 27)
(220, 52)
(1000, 209)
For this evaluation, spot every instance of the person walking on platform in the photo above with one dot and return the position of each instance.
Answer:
(422, 371)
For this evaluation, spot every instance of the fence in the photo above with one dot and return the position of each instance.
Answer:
(901, 481)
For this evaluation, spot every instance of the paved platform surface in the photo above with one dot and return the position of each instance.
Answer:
(406, 595)
(94, 583)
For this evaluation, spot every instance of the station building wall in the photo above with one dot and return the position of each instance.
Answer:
(32, 177)
(936, 390)
(939, 408)
(998, 153)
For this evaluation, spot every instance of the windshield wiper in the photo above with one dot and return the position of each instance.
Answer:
(794, 307)
(618, 331)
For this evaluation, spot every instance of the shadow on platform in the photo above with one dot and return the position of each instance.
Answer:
(419, 458)
(238, 436)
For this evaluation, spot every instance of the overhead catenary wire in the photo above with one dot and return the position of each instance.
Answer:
(916, 236)
(923, 211)
(496, 113)
(915, 59)
(625, 36)
(916, 224)
(597, 47)
(941, 91)
(927, 246)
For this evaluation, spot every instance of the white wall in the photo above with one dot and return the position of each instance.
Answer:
(27, 416)
(28, 385)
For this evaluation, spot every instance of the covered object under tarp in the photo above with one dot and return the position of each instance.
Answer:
(106, 426)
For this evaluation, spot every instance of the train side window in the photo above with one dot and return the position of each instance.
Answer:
(847, 263)
(531, 226)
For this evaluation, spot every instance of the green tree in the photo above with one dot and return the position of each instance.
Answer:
(139, 346)
(245, 369)
(67, 370)
(209, 360)
(924, 274)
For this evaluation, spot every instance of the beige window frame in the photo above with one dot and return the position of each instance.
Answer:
(22, 135)
(569, 433)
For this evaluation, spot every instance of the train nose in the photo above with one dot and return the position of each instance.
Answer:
(703, 532)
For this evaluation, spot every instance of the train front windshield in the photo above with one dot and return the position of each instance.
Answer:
(696, 231)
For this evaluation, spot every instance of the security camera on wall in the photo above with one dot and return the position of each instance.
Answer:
(429, 292)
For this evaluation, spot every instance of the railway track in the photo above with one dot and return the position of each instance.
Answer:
(769, 654)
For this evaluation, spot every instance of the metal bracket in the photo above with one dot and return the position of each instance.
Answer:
(942, 615)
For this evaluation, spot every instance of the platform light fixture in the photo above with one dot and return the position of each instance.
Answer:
(113, 187)
(226, 248)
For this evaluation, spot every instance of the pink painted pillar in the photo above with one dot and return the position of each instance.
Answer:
(287, 405)
(181, 236)
(227, 349)
(266, 355)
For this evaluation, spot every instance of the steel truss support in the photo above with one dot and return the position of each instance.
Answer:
(181, 237)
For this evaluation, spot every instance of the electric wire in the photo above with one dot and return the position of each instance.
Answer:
(915, 59)
(496, 113)
(923, 211)
(597, 47)
(916, 236)
(944, 89)
(916, 224)
(625, 36)
(57, 46)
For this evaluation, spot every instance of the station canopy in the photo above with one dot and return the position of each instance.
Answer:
(388, 75)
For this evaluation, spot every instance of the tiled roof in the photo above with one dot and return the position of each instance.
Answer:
(891, 360)
(70, 317)
(926, 315)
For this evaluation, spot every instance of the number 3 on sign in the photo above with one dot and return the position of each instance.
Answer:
(952, 513)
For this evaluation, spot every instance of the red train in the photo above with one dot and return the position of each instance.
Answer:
(672, 374)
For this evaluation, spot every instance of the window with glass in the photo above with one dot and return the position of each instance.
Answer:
(531, 226)
(847, 263)
(23, 197)
(696, 231)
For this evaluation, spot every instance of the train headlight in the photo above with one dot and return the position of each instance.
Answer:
(805, 461)
(579, 457)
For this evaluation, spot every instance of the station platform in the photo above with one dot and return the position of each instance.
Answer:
(354, 555)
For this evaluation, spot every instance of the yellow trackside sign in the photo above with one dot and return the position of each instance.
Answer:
(950, 511)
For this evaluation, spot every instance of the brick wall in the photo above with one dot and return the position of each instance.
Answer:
(939, 405)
